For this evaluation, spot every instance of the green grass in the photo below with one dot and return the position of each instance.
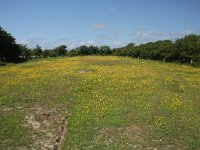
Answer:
(108, 103)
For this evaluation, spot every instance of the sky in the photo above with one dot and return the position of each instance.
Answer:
(51, 23)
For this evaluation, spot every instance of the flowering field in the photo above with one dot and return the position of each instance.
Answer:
(99, 103)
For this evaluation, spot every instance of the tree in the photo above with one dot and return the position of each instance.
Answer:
(104, 50)
(92, 50)
(25, 52)
(37, 51)
(60, 50)
(130, 48)
(46, 53)
(189, 48)
(9, 50)
(74, 52)
(84, 50)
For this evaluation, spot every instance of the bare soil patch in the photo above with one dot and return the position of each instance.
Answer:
(48, 127)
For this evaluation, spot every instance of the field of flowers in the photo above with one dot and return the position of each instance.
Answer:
(99, 102)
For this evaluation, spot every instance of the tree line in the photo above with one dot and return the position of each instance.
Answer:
(183, 50)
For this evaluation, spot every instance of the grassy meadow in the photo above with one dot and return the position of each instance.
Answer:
(99, 102)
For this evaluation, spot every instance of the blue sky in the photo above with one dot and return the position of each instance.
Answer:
(51, 23)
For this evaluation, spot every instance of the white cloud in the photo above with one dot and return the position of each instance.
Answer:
(188, 31)
(43, 42)
(173, 33)
(23, 42)
(32, 42)
(87, 43)
(139, 40)
(61, 41)
(182, 33)
(118, 43)
(78, 43)
(145, 33)
(50, 44)
(97, 26)
(71, 46)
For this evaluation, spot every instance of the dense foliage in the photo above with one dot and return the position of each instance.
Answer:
(184, 50)
(91, 50)
(9, 50)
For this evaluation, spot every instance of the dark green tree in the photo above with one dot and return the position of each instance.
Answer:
(37, 51)
(60, 50)
(188, 48)
(25, 52)
(9, 50)
(74, 52)
(92, 50)
(104, 50)
(84, 50)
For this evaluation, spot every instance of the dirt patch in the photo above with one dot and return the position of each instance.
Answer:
(86, 70)
(48, 128)
(7, 109)
(32, 122)
(60, 135)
